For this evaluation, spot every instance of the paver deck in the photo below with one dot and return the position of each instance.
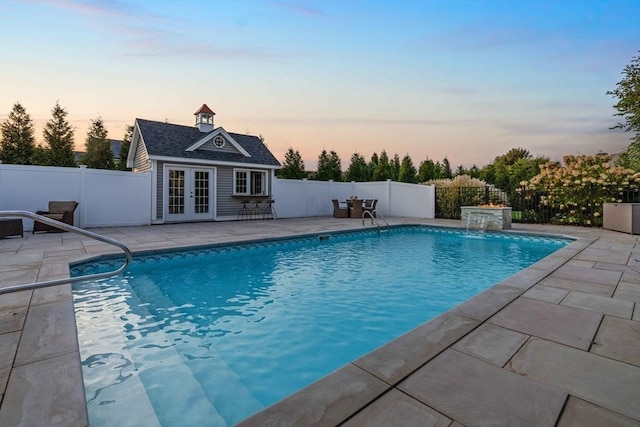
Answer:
(556, 344)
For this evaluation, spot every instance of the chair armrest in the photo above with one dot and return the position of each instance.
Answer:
(41, 212)
(67, 217)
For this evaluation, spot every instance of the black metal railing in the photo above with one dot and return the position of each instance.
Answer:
(532, 206)
(449, 200)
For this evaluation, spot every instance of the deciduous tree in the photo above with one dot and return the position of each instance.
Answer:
(627, 92)
(18, 143)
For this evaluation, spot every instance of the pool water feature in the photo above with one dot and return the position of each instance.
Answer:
(209, 337)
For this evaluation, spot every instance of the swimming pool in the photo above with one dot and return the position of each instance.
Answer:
(245, 325)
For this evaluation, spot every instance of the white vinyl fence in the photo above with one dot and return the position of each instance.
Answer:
(105, 198)
(304, 198)
(113, 198)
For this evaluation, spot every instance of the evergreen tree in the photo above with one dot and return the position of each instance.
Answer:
(58, 135)
(371, 166)
(446, 169)
(18, 143)
(329, 167)
(474, 172)
(335, 166)
(427, 171)
(293, 166)
(124, 148)
(358, 169)
(382, 171)
(98, 154)
(395, 167)
(407, 171)
(40, 156)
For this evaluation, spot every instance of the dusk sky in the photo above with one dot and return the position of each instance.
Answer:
(464, 79)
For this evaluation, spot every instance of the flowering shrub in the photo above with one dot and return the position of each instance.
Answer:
(576, 191)
(464, 191)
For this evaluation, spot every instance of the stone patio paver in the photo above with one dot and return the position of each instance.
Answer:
(578, 413)
(394, 361)
(546, 293)
(630, 277)
(397, 409)
(12, 319)
(492, 344)
(8, 347)
(618, 339)
(457, 385)
(628, 291)
(484, 305)
(613, 256)
(582, 274)
(604, 382)
(566, 325)
(599, 304)
(50, 330)
(327, 402)
(31, 401)
(579, 285)
(15, 300)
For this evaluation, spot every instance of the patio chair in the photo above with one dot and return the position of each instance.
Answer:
(370, 206)
(339, 211)
(356, 208)
(60, 211)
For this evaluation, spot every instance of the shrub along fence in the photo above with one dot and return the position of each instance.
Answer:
(531, 206)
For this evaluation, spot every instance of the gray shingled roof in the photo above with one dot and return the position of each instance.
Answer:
(165, 139)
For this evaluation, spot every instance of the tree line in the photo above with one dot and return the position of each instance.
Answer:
(18, 145)
(506, 171)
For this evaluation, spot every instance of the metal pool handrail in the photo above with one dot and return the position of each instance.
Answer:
(66, 227)
(373, 219)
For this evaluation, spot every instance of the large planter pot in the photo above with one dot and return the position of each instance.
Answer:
(624, 217)
(488, 217)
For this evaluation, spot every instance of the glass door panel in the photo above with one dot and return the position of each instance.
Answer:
(176, 192)
(201, 192)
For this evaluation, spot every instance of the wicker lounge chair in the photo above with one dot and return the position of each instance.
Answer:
(60, 211)
(370, 206)
(338, 211)
(356, 208)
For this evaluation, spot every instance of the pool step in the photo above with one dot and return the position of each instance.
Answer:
(221, 387)
(144, 389)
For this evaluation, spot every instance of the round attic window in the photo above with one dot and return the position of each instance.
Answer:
(218, 141)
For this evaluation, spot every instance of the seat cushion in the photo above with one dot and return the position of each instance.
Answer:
(61, 207)
(56, 216)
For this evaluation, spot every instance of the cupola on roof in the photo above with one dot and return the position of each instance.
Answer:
(204, 118)
(204, 109)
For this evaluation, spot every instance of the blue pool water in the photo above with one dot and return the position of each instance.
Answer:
(209, 337)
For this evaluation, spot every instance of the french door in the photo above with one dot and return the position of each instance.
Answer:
(188, 193)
